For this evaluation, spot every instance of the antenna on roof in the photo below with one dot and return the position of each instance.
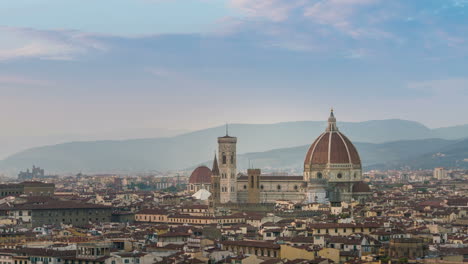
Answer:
(227, 129)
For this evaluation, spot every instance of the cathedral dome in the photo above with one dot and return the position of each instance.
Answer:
(361, 187)
(332, 147)
(201, 175)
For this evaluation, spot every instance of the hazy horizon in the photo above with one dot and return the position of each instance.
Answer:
(92, 69)
(12, 146)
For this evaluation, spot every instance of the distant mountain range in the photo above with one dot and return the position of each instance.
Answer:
(414, 154)
(270, 144)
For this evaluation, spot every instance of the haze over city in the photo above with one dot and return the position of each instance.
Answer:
(86, 70)
(234, 132)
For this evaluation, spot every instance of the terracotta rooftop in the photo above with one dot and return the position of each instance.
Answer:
(257, 244)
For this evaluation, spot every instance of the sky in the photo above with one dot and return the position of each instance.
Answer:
(87, 69)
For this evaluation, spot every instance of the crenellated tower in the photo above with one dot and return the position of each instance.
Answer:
(253, 186)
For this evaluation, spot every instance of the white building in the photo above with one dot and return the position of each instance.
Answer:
(440, 173)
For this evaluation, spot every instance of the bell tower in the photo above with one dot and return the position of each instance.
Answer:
(227, 168)
(215, 183)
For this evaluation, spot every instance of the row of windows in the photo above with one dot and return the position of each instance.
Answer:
(20, 213)
(344, 230)
(82, 262)
(203, 221)
(339, 175)
(128, 261)
(149, 218)
(196, 187)
(257, 252)
(343, 246)
(224, 175)
(5, 193)
(71, 220)
(277, 187)
(225, 189)
(77, 212)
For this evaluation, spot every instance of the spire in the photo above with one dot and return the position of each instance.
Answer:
(332, 122)
(215, 169)
(227, 130)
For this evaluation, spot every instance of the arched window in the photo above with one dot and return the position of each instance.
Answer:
(261, 186)
(319, 175)
(278, 187)
(245, 187)
(339, 176)
(224, 158)
(295, 187)
(232, 158)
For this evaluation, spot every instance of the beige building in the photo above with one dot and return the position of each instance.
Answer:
(342, 229)
(269, 189)
(163, 217)
(257, 248)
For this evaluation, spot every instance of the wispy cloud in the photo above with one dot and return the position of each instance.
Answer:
(48, 45)
(339, 14)
(275, 10)
(304, 25)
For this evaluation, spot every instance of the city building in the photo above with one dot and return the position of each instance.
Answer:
(38, 211)
(30, 188)
(440, 173)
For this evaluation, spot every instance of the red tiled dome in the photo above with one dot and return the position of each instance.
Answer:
(361, 187)
(201, 175)
(332, 147)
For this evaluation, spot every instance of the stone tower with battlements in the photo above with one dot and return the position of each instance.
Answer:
(253, 184)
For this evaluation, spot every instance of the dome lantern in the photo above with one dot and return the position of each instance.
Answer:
(332, 122)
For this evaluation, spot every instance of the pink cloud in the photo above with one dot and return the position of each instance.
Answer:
(50, 45)
(338, 14)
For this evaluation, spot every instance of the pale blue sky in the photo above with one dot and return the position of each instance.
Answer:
(91, 67)
(123, 17)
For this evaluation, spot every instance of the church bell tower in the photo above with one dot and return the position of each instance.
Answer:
(227, 168)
